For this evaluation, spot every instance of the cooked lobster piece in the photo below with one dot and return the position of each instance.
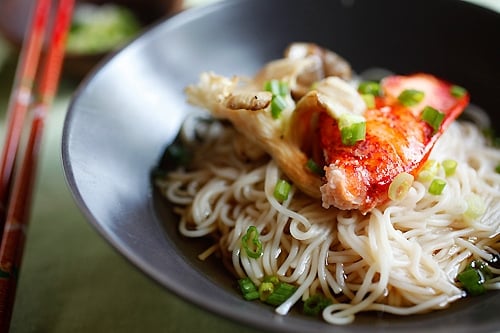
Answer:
(360, 140)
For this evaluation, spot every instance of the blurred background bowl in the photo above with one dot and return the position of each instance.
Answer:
(15, 16)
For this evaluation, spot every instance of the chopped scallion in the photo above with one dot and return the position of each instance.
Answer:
(433, 117)
(281, 190)
(352, 128)
(400, 186)
(497, 168)
(475, 206)
(437, 186)
(282, 292)
(280, 91)
(429, 171)
(283, 88)
(273, 86)
(425, 176)
(278, 104)
(251, 242)
(370, 88)
(369, 100)
(457, 91)
(265, 290)
(272, 278)
(315, 304)
(248, 289)
(474, 276)
(411, 97)
(472, 281)
(449, 166)
(277, 87)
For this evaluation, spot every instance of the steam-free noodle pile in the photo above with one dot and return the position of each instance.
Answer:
(402, 258)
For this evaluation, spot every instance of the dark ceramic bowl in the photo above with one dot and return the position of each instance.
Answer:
(127, 112)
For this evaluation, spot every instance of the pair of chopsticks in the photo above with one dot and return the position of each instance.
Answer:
(35, 86)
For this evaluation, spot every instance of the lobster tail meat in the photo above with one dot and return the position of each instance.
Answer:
(398, 139)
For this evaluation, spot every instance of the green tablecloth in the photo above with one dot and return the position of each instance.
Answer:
(71, 280)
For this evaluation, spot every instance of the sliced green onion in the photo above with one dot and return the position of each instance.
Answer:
(272, 278)
(251, 242)
(272, 86)
(278, 104)
(267, 286)
(457, 91)
(277, 87)
(475, 206)
(425, 176)
(437, 186)
(281, 190)
(429, 171)
(497, 168)
(265, 290)
(280, 91)
(248, 289)
(449, 166)
(370, 88)
(315, 304)
(411, 97)
(432, 117)
(369, 100)
(472, 281)
(352, 128)
(314, 167)
(282, 292)
(474, 276)
(284, 89)
(400, 186)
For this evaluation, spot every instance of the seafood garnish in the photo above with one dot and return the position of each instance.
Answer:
(306, 122)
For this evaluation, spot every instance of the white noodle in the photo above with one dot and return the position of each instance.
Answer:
(401, 258)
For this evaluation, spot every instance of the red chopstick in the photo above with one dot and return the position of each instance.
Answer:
(20, 98)
(17, 187)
